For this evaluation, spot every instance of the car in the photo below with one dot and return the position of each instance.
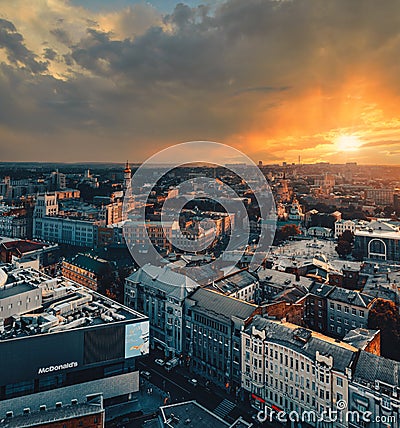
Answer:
(193, 382)
(145, 374)
(159, 362)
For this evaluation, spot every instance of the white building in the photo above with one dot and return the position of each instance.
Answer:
(343, 225)
(49, 226)
(319, 231)
(64, 230)
(291, 369)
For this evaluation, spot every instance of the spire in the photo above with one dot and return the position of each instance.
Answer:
(127, 167)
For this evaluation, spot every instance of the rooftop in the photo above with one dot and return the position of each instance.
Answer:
(190, 414)
(360, 337)
(89, 263)
(24, 246)
(221, 305)
(66, 305)
(306, 342)
(14, 289)
(233, 282)
(351, 297)
(172, 283)
(371, 368)
(59, 413)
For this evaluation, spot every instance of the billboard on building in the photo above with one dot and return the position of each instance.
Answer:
(136, 339)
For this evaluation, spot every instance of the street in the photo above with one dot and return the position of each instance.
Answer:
(175, 387)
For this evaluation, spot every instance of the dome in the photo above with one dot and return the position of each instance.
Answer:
(3, 278)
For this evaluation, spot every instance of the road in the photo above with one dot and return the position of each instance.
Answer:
(178, 389)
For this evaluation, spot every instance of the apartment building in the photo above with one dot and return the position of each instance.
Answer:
(289, 368)
(213, 323)
(160, 294)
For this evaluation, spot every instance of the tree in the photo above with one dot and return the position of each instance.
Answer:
(385, 317)
(348, 236)
(289, 230)
(343, 248)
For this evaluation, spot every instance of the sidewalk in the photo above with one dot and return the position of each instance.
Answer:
(242, 408)
(143, 402)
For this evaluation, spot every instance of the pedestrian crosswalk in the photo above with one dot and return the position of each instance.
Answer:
(224, 408)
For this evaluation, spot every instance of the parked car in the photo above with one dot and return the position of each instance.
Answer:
(159, 362)
(193, 382)
(145, 374)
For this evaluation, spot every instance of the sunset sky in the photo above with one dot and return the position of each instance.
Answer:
(109, 80)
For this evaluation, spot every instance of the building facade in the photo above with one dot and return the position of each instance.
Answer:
(160, 293)
(374, 391)
(377, 240)
(61, 339)
(213, 323)
(347, 310)
(291, 369)
(343, 225)
(92, 272)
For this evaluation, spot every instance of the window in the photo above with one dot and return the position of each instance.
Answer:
(361, 313)
(339, 382)
(339, 307)
(346, 309)
(353, 311)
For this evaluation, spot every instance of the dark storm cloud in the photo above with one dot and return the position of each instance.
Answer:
(61, 35)
(17, 52)
(49, 53)
(175, 81)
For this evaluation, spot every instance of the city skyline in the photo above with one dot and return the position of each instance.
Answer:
(84, 81)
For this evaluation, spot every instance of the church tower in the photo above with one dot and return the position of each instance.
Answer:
(127, 176)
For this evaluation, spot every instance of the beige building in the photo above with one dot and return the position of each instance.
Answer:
(291, 369)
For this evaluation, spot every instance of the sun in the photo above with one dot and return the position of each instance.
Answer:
(347, 143)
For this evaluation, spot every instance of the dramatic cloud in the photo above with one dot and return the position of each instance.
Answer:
(276, 79)
(17, 53)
